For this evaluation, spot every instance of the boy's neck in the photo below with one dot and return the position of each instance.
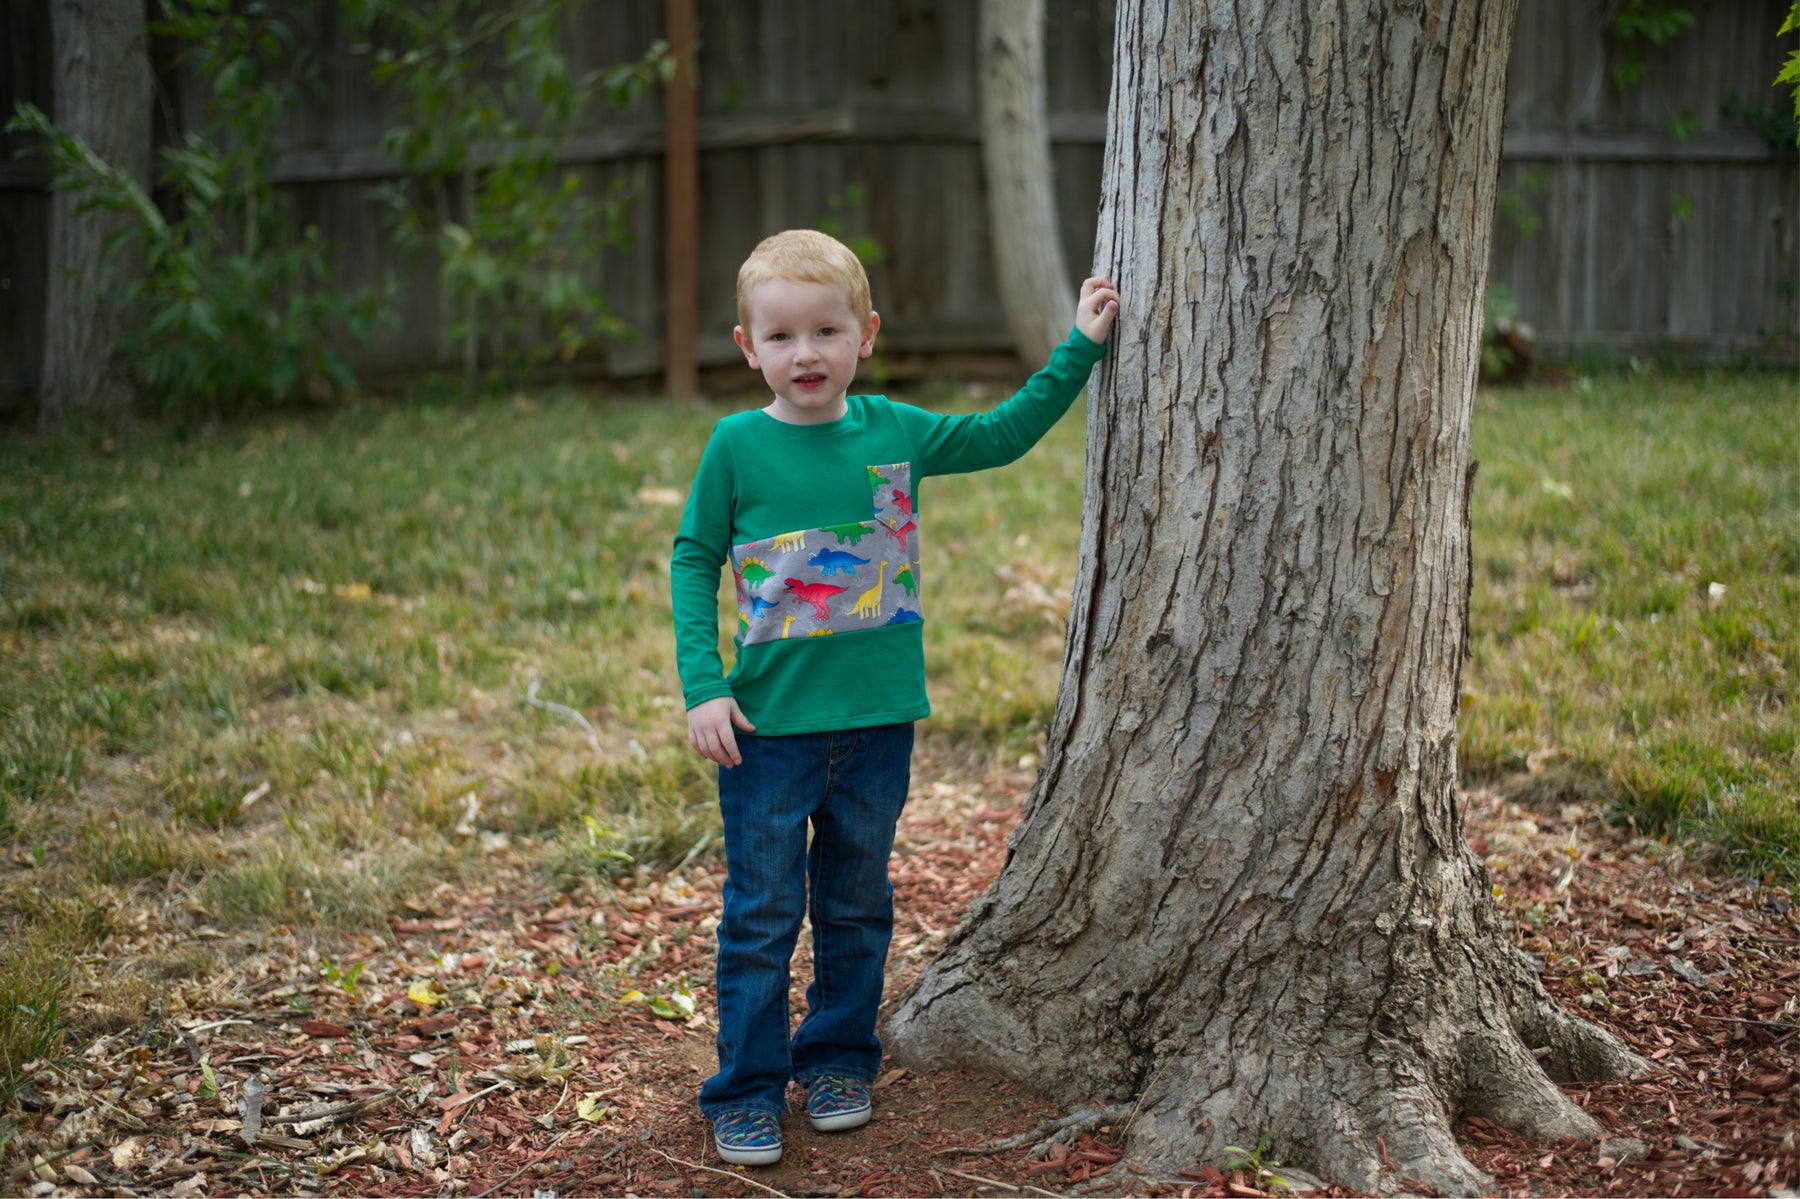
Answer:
(788, 414)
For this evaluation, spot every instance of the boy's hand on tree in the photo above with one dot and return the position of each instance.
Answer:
(1095, 311)
(710, 730)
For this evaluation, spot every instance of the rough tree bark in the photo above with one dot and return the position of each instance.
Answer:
(1035, 288)
(102, 94)
(1240, 898)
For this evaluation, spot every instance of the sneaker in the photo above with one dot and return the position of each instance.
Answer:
(748, 1136)
(836, 1102)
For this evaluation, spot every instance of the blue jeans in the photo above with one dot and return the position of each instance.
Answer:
(850, 785)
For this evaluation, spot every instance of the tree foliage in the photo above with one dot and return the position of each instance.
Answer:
(236, 305)
(1790, 71)
(488, 97)
(239, 305)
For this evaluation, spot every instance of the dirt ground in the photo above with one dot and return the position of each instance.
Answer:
(512, 1040)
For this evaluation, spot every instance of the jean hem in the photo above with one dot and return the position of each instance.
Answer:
(806, 1077)
(712, 1111)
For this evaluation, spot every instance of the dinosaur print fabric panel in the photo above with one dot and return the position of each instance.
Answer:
(838, 578)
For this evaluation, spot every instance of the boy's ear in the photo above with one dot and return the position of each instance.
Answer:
(743, 341)
(868, 335)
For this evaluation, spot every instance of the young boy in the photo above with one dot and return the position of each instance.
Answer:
(814, 500)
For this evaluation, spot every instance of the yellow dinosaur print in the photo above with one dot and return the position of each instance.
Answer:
(786, 625)
(791, 541)
(869, 602)
(820, 633)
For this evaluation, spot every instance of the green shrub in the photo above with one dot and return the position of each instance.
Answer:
(236, 306)
(488, 97)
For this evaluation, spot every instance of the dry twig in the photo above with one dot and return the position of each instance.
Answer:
(529, 1162)
(531, 697)
(995, 1182)
(336, 1114)
(685, 1164)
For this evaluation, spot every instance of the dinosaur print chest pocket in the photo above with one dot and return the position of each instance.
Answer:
(836, 578)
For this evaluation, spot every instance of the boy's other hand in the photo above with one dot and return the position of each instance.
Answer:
(710, 730)
(1095, 311)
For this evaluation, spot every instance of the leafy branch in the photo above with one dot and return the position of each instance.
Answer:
(1636, 23)
(488, 99)
(236, 305)
(1790, 70)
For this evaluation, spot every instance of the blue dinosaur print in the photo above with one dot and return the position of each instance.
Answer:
(830, 562)
(759, 605)
(904, 616)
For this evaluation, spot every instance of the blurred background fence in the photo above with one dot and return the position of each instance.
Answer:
(1649, 217)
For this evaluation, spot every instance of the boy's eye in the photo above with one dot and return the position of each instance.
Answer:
(828, 331)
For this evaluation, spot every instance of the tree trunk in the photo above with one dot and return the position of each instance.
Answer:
(1240, 896)
(102, 94)
(1035, 288)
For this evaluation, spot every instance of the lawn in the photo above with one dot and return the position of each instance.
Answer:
(288, 672)
(1635, 622)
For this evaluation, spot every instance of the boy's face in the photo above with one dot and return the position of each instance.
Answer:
(805, 341)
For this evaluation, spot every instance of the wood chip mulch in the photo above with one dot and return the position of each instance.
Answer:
(510, 1040)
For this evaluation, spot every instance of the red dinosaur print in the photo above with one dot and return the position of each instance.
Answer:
(815, 594)
(899, 534)
(903, 502)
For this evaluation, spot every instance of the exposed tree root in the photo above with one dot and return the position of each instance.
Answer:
(1565, 1046)
(1057, 1130)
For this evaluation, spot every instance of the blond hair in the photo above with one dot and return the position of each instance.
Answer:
(804, 256)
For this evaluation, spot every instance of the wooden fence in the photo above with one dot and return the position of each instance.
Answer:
(1664, 220)
(1625, 226)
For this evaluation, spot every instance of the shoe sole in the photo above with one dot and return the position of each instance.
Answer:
(842, 1121)
(749, 1157)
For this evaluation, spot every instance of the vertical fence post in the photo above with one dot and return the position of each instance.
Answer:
(681, 206)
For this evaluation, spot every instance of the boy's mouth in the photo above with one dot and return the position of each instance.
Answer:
(808, 380)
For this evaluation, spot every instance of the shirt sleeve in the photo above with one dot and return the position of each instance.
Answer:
(948, 445)
(702, 544)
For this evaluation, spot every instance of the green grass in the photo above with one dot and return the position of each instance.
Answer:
(271, 673)
(1636, 613)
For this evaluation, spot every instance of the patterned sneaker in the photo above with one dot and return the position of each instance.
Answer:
(748, 1136)
(836, 1102)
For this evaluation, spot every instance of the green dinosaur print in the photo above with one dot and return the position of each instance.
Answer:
(876, 479)
(850, 533)
(905, 579)
(756, 573)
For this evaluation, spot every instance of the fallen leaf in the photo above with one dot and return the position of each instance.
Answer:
(210, 1126)
(1688, 974)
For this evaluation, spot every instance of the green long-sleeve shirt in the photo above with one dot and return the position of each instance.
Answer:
(821, 526)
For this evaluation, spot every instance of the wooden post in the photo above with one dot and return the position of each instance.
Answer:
(681, 206)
